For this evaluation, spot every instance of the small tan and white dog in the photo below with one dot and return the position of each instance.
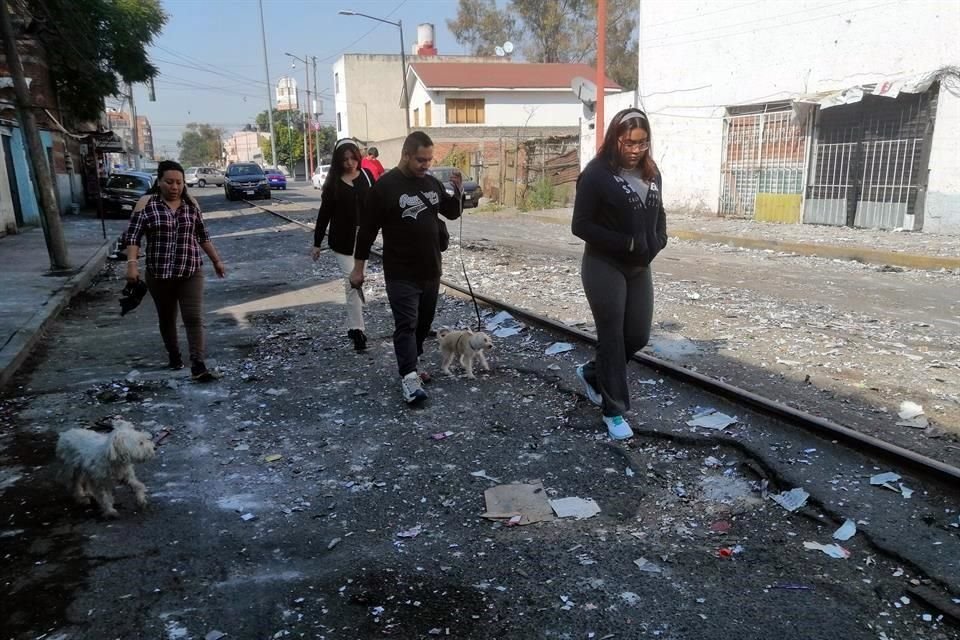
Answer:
(92, 463)
(465, 345)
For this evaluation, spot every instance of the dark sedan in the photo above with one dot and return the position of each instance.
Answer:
(122, 190)
(245, 180)
(276, 177)
(471, 190)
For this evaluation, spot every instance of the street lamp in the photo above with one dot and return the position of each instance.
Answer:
(403, 58)
(307, 155)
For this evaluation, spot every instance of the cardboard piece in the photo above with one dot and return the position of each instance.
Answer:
(506, 501)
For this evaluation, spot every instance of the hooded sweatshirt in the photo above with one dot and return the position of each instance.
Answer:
(608, 214)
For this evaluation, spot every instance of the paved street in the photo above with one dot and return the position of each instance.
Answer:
(297, 497)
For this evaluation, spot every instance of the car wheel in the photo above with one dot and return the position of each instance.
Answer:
(201, 183)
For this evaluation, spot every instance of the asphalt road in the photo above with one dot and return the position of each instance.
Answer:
(361, 525)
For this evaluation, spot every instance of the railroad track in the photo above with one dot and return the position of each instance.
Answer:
(872, 446)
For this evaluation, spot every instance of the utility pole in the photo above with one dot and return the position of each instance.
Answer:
(316, 94)
(307, 150)
(136, 131)
(306, 156)
(601, 77)
(266, 70)
(403, 65)
(49, 215)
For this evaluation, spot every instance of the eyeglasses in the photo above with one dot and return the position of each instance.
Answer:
(639, 145)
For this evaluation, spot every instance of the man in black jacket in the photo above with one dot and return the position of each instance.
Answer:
(405, 204)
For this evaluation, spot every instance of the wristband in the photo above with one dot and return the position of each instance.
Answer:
(132, 261)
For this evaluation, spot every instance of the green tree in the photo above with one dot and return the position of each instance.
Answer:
(288, 126)
(553, 31)
(200, 145)
(289, 145)
(93, 46)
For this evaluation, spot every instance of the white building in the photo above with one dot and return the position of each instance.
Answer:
(244, 146)
(287, 94)
(807, 111)
(448, 94)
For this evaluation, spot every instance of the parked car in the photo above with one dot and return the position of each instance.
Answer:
(276, 177)
(245, 180)
(202, 176)
(122, 191)
(471, 189)
(320, 176)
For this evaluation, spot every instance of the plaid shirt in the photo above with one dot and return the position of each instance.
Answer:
(173, 238)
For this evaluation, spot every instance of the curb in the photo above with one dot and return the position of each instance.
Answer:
(858, 254)
(25, 339)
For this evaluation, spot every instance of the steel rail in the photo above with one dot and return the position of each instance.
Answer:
(821, 426)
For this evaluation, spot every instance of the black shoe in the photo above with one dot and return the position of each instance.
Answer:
(200, 373)
(359, 339)
(175, 363)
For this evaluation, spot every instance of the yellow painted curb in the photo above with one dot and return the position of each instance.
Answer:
(860, 254)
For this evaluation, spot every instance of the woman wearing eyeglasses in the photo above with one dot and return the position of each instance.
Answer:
(618, 213)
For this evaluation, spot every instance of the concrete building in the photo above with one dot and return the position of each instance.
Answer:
(367, 89)
(145, 133)
(244, 146)
(120, 123)
(287, 94)
(809, 112)
(63, 149)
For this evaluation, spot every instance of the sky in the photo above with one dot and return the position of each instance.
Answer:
(210, 54)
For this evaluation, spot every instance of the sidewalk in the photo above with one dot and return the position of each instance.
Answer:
(32, 296)
(904, 249)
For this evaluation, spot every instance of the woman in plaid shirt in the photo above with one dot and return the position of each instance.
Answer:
(173, 225)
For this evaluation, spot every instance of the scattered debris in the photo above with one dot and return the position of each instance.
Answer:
(411, 533)
(333, 543)
(793, 587)
(518, 504)
(884, 478)
(273, 457)
(442, 435)
(712, 419)
(483, 474)
(558, 347)
(832, 550)
(791, 500)
(247, 517)
(215, 635)
(846, 531)
(578, 508)
(646, 566)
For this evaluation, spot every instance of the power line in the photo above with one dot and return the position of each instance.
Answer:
(665, 42)
(372, 29)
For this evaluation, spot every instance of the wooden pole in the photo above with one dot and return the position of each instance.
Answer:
(601, 79)
(49, 215)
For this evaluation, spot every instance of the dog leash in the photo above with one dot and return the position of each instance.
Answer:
(463, 265)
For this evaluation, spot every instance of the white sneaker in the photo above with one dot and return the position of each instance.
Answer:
(412, 388)
(592, 394)
(617, 427)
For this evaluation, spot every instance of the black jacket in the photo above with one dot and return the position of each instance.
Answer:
(608, 214)
(406, 209)
(339, 210)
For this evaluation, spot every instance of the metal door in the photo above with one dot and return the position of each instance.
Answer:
(869, 164)
(12, 179)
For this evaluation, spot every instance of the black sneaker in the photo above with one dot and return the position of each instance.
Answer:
(200, 373)
(175, 362)
(359, 339)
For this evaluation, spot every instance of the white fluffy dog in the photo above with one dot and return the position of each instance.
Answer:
(92, 463)
(465, 345)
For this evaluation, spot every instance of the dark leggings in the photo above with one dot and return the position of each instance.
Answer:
(621, 299)
(187, 294)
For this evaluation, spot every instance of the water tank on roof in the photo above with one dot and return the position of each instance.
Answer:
(425, 39)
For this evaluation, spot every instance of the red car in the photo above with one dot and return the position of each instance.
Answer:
(276, 178)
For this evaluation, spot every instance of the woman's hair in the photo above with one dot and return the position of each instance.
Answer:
(162, 168)
(622, 124)
(331, 186)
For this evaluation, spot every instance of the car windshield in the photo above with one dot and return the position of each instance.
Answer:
(192, 170)
(246, 170)
(442, 173)
(129, 183)
(322, 169)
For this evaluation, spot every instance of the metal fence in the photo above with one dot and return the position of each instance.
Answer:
(763, 155)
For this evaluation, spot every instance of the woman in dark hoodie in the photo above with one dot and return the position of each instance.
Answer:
(619, 214)
(343, 193)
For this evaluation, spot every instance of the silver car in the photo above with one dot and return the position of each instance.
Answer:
(202, 176)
